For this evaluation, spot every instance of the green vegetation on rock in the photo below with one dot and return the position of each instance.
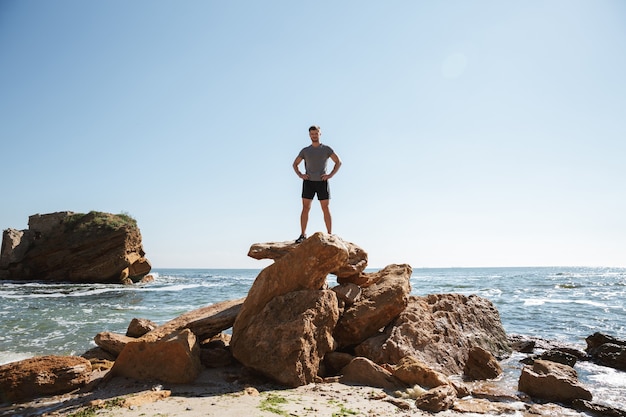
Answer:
(99, 220)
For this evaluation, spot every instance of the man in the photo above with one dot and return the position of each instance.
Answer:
(315, 179)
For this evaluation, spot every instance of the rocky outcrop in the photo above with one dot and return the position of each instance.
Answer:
(74, 247)
(553, 382)
(439, 329)
(43, 375)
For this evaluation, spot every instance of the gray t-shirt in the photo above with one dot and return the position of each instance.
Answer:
(315, 159)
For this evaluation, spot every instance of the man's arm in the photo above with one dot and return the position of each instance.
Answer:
(295, 168)
(337, 162)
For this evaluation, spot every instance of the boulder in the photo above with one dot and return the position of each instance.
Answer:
(304, 267)
(204, 322)
(355, 263)
(437, 399)
(75, 247)
(139, 327)
(481, 365)
(596, 409)
(412, 371)
(607, 350)
(112, 343)
(378, 305)
(349, 293)
(289, 337)
(439, 329)
(554, 355)
(553, 382)
(175, 359)
(362, 371)
(42, 376)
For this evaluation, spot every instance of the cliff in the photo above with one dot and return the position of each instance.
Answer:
(75, 247)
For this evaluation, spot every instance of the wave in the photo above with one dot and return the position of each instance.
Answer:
(542, 301)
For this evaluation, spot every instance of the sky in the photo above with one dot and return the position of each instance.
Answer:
(472, 133)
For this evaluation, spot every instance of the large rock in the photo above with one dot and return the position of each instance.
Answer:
(204, 322)
(42, 376)
(437, 399)
(412, 371)
(354, 265)
(289, 337)
(175, 359)
(362, 371)
(377, 306)
(481, 364)
(66, 246)
(607, 350)
(305, 267)
(553, 382)
(440, 329)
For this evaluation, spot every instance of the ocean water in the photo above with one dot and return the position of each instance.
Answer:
(566, 304)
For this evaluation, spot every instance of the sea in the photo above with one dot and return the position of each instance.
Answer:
(564, 304)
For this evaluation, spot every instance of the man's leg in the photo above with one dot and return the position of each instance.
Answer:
(304, 216)
(327, 217)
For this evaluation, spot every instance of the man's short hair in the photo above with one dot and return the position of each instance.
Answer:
(315, 127)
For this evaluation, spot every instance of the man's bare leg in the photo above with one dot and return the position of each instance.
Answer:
(304, 216)
(327, 217)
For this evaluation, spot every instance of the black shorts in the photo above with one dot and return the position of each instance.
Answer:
(310, 188)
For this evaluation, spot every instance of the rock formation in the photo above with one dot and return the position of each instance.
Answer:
(43, 375)
(552, 381)
(607, 350)
(74, 247)
(439, 329)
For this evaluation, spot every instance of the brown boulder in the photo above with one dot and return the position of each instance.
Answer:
(112, 343)
(378, 305)
(175, 359)
(412, 371)
(437, 399)
(362, 371)
(288, 338)
(305, 267)
(41, 376)
(607, 350)
(349, 293)
(139, 327)
(204, 322)
(355, 264)
(439, 329)
(75, 247)
(481, 365)
(553, 382)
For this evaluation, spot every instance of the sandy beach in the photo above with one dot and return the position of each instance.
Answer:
(217, 392)
(233, 391)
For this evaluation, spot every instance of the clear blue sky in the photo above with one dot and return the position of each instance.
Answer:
(472, 133)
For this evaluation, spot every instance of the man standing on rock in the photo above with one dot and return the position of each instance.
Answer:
(315, 179)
